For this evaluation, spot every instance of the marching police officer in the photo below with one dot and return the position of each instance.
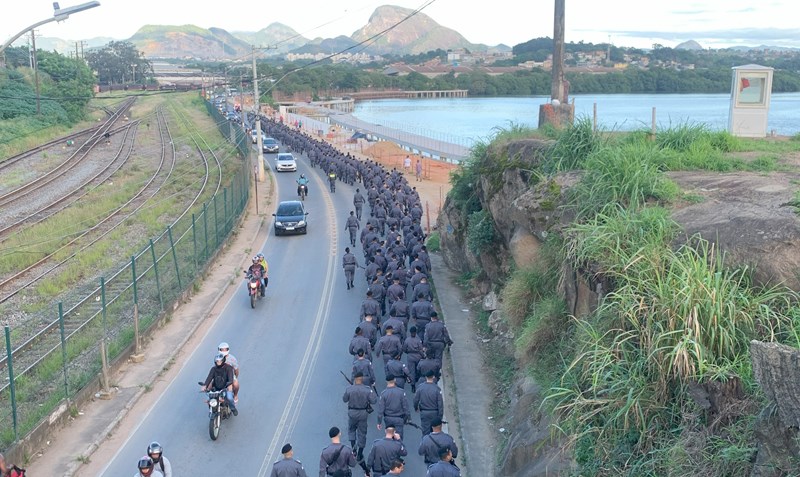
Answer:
(370, 305)
(360, 342)
(364, 366)
(352, 226)
(398, 369)
(388, 345)
(358, 203)
(412, 347)
(436, 337)
(393, 406)
(337, 458)
(445, 467)
(421, 311)
(349, 263)
(428, 364)
(433, 443)
(288, 467)
(428, 401)
(385, 451)
(359, 398)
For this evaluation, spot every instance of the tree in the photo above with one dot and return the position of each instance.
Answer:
(116, 62)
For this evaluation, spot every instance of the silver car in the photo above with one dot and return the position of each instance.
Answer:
(285, 162)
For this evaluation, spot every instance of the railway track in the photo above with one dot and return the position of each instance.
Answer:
(36, 271)
(46, 341)
(80, 153)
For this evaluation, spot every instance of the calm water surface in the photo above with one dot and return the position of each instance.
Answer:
(465, 120)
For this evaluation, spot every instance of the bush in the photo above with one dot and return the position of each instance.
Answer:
(480, 232)
(574, 145)
(433, 242)
(524, 288)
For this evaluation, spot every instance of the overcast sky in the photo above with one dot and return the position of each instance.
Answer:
(713, 23)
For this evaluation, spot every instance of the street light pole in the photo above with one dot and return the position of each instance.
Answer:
(59, 14)
(257, 106)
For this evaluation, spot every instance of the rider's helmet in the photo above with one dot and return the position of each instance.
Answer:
(302, 176)
(219, 359)
(255, 259)
(260, 256)
(223, 348)
(145, 465)
(154, 450)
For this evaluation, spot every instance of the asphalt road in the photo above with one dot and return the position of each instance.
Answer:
(290, 350)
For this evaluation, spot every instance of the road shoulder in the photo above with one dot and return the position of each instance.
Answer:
(469, 382)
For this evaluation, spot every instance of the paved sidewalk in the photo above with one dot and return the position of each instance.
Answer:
(473, 394)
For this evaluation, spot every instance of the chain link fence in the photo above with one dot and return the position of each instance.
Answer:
(98, 325)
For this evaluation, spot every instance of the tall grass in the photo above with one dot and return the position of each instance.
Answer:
(625, 175)
(574, 145)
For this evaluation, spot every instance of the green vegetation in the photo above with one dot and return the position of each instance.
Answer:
(480, 232)
(433, 242)
(670, 318)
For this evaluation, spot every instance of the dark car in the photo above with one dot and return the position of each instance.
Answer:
(270, 145)
(290, 218)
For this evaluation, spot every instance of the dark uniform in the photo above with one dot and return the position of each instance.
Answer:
(401, 309)
(288, 467)
(443, 469)
(431, 444)
(360, 342)
(397, 325)
(358, 203)
(364, 366)
(370, 306)
(421, 311)
(352, 226)
(393, 408)
(436, 338)
(336, 457)
(358, 397)
(398, 369)
(412, 347)
(388, 346)
(370, 330)
(428, 364)
(349, 264)
(383, 452)
(428, 401)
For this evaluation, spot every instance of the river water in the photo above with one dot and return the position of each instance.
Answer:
(466, 120)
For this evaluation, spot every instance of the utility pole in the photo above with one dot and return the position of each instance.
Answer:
(82, 43)
(257, 109)
(36, 73)
(558, 112)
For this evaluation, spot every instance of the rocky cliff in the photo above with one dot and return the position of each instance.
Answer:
(747, 216)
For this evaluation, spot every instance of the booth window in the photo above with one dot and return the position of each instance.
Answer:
(751, 89)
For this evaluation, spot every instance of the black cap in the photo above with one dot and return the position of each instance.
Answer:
(333, 432)
(434, 314)
(358, 374)
(389, 377)
(390, 426)
(430, 373)
(286, 448)
(436, 422)
(412, 330)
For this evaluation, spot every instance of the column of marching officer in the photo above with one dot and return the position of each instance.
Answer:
(398, 326)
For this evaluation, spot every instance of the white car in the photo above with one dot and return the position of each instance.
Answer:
(254, 136)
(285, 162)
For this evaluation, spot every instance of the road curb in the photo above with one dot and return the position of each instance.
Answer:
(77, 464)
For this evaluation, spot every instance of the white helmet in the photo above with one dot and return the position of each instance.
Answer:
(223, 348)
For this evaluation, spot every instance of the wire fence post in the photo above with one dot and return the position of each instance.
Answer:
(216, 224)
(137, 344)
(11, 382)
(103, 357)
(155, 268)
(205, 231)
(225, 207)
(174, 256)
(194, 242)
(63, 348)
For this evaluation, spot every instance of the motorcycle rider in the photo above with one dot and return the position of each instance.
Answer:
(266, 269)
(156, 452)
(224, 349)
(146, 468)
(220, 377)
(257, 269)
(302, 181)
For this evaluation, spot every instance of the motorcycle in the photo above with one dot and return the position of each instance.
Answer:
(218, 409)
(303, 191)
(255, 288)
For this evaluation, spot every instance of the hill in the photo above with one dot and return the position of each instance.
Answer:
(418, 34)
(275, 34)
(187, 41)
(689, 45)
(326, 45)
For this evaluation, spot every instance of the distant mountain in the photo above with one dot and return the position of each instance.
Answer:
(65, 47)
(689, 45)
(763, 47)
(418, 34)
(327, 45)
(275, 34)
(187, 41)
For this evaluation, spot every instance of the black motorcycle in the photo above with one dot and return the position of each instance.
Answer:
(218, 409)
